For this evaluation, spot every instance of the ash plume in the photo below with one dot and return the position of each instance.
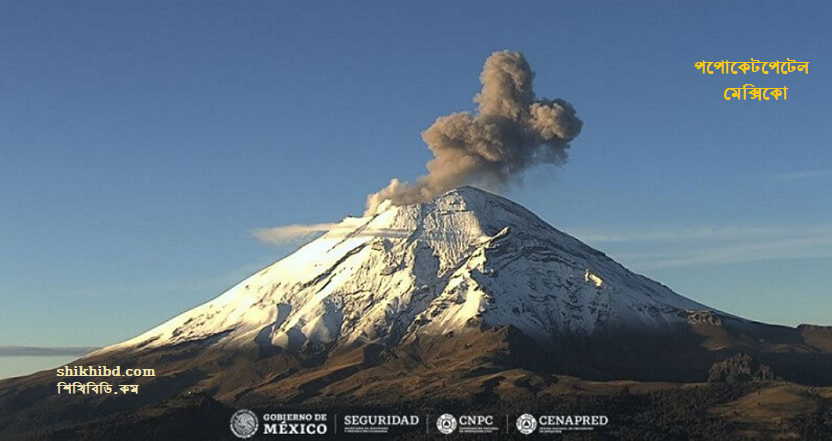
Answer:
(510, 132)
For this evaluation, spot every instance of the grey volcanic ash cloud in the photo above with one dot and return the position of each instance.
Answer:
(510, 132)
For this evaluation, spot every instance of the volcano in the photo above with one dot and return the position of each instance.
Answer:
(468, 260)
(469, 289)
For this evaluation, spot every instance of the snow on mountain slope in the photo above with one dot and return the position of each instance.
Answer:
(466, 259)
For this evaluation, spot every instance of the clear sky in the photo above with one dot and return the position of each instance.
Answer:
(142, 142)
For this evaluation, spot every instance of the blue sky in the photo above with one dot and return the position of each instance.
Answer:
(142, 142)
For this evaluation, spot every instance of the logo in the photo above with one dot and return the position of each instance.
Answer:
(244, 423)
(379, 424)
(526, 424)
(559, 424)
(295, 423)
(446, 424)
(468, 424)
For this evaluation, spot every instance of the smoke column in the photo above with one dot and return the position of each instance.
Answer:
(510, 132)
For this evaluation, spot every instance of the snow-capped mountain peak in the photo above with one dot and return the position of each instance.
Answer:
(465, 260)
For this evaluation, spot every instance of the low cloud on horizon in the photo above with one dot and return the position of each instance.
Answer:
(38, 351)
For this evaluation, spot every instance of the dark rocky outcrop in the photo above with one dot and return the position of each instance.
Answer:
(739, 368)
